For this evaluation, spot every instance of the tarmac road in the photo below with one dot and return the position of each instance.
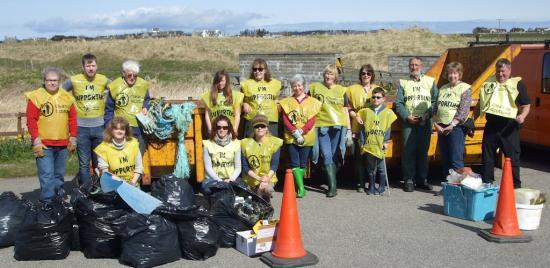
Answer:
(356, 230)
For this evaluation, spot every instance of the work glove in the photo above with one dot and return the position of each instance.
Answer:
(300, 140)
(38, 148)
(148, 125)
(349, 140)
(297, 133)
(72, 144)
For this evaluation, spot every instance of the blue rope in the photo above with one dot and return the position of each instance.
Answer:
(183, 116)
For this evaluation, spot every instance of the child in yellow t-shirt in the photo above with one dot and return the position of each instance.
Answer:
(376, 121)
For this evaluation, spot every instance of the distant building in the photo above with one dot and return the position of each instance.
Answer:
(497, 30)
(211, 33)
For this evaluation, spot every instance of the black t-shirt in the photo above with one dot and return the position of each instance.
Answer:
(521, 99)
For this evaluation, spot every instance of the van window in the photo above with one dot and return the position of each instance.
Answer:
(546, 74)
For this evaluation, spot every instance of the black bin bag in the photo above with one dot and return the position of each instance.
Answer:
(12, 212)
(198, 233)
(148, 240)
(97, 216)
(46, 232)
(173, 190)
(231, 217)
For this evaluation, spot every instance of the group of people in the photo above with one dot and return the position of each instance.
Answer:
(89, 114)
(93, 114)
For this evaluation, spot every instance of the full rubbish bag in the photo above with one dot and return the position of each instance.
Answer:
(12, 212)
(173, 190)
(232, 216)
(46, 232)
(148, 240)
(96, 216)
(198, 233)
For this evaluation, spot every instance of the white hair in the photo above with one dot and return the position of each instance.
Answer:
(52, 70)
(298, 78)
(130, 65)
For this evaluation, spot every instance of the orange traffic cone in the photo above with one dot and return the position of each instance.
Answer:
(289, 250)
(505, 226)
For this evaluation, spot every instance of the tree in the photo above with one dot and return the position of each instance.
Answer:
(480, 30)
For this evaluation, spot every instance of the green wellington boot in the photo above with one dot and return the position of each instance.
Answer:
(331, 180)
(299, 179)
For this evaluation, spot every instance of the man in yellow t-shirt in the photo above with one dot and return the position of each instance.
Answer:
(505, 103)
(88, 90)
(128, 96)
(416, 97)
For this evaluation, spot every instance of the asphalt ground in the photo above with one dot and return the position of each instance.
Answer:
(356, 230)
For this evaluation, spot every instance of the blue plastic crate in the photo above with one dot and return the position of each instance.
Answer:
(465, 203)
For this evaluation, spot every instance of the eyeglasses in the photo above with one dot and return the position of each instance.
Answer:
(258, 69)
(260, 126)
(376, 97)
(52, 80)
(222, 127)
(130, 75)
(366, 73)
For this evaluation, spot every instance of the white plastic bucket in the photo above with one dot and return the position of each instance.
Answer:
(529, 216)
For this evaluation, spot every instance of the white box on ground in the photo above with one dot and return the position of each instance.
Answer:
(251, 245)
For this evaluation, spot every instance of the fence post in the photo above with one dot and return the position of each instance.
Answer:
(20, 133)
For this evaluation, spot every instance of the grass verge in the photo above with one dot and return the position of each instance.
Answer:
(17, 160)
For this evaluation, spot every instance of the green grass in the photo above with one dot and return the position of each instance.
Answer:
(17, 160)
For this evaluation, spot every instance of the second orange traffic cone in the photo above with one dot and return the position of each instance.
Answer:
(505, 226)
(289, 250)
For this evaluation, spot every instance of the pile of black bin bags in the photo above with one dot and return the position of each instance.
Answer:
(102, 225)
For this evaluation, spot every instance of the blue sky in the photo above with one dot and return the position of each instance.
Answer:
(27, 18)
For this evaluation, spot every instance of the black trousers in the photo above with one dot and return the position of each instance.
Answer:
(504, 135)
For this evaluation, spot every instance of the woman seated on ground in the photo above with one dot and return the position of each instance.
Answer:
(260, 158)
(222, 154)
(119, 152)
(299, 113)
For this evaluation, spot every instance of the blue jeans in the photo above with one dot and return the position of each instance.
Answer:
(329, 140)
(376, 166)
(88, 138)
(298, 155)
(451, 149)
(51, 172)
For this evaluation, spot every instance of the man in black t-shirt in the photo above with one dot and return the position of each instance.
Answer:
(504, 118)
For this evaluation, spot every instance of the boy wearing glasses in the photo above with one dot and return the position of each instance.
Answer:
(376, 121)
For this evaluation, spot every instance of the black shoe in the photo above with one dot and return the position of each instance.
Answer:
(424, 186)
(516, 186)
(408, 187)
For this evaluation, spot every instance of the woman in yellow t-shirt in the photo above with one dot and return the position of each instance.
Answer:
(221, 100)
(359, 97)
(222, 155)
(119, 152)
(260, 158)
(261, 93)
(333, 124)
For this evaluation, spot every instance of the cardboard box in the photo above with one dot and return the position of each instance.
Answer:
(252, 245)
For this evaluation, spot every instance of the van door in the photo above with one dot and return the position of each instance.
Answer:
(542, 104)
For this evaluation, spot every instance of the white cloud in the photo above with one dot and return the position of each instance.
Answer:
(166, 18)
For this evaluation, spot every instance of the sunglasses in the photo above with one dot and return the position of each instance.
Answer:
(257, 69)
(376, 97)
(222, 127)
(260, 126)
(366, 73)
